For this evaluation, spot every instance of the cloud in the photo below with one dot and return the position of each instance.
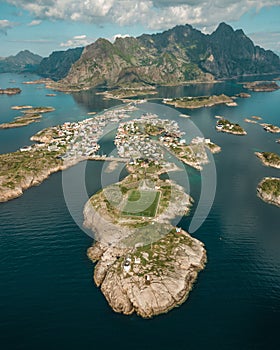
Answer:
(78, 40)
(268, 40)
(32, 41)
(120, 36)
(153, 14)
(5, 25)
(35, 22)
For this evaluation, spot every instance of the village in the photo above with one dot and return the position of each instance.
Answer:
(78, 140)
(149, 138)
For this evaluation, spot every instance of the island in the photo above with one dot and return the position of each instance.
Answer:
(10, 91)
(18, 108)
(269, 159)
(31, 115)
(252, 121)
(271, 128)
(21, 121)
(144, 264)
(262, 86)
(269, 190)
(226, 126)
(243, 95)
(200, 101)
(124, 93)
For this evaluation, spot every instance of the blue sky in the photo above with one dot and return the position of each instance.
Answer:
(47, 25)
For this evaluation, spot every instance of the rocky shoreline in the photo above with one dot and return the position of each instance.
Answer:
(269, 159)
(161, 276)
(269, 190)
(144, 265)
(31, 180)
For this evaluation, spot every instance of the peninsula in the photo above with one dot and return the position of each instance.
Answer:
(198, 102)
(226, 126)
(269, 190)
(144, 264)
(57, 149)
(269, 159)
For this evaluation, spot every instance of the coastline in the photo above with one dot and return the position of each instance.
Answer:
(33, 179)
(129, 292)
(263, 156)
(269, 196)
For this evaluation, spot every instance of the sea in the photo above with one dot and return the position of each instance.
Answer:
(48, 299)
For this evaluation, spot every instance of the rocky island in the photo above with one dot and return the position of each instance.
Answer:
(269, 190)
(124, 93)
(199, 102)
(271, 128)
(30, 116)
(243, 95)
(21, 121)
(226, 126)
(262, 86)
(10, 91)
(144, 264)
(269, 159)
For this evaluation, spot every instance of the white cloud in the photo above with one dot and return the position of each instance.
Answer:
(120, 36)
(268, 40)
(77, 40)
(35, 22)
(5, 25)
(154, 14)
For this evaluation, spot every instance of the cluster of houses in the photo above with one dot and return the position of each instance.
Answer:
(133, 140)
(80, 139)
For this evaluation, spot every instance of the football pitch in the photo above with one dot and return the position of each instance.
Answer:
(142, 203)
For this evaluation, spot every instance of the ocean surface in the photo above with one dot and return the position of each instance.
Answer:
(47, 297)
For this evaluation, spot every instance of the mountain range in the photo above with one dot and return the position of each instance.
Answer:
(58, 64)
(24, 61)
(172, 57)
(175, 56)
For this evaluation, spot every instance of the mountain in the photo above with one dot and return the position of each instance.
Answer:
(174, 56)
(24, 61)
(58, 64)
(231, 53)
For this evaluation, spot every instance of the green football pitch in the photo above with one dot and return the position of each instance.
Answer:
(142, 203)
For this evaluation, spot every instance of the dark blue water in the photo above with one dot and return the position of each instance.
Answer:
(47, 297)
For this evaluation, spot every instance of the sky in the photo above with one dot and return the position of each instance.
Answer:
(50, 25)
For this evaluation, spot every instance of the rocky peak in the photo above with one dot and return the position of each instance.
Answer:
(174, 56)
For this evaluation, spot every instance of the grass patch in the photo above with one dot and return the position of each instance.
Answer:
(142, 203)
